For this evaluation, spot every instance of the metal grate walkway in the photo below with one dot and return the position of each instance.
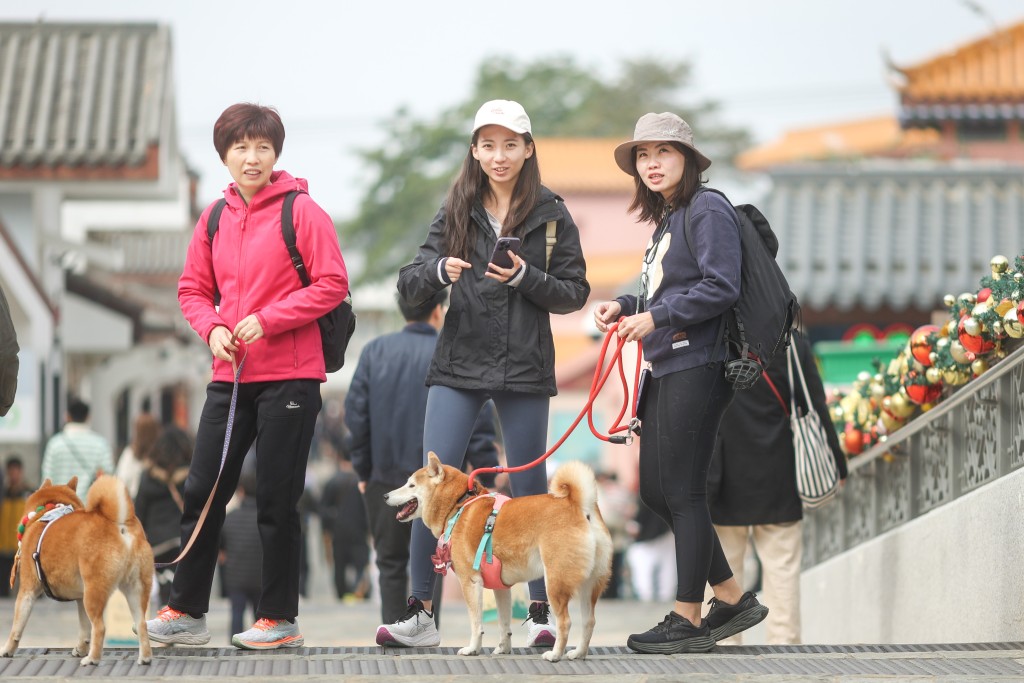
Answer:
(957, 662)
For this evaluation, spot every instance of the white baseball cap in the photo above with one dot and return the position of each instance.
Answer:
(505, 113)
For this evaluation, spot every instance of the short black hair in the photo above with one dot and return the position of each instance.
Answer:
(78, 410)
(14, 461)
(421, 312)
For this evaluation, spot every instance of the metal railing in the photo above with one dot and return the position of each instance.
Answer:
(970, 439)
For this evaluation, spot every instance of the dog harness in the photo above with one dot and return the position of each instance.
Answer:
(490, 570)
(52, 515)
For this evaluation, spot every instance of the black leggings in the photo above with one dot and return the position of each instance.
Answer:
(680, 425)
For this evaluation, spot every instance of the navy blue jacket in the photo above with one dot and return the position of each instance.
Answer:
(689, 291)
(386, 403)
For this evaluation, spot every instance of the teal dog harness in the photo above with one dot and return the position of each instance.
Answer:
(485, 562)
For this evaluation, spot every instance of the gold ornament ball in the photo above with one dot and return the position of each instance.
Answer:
(997, 328)
(944, 341)
(999, 264)
(979, 367)
(959, 353)
(863, 376)
(1017, 277)
(967, 299)
(949, 300)
(1011, 325)
(972, 326)
(933, 375)
(981, 308)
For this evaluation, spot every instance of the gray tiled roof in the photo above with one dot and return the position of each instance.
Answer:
(81, 94)
(896, 234)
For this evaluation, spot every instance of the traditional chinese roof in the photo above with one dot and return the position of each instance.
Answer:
(877, 136)
(83, 101)
(981, 80)
(887, 233)
(581, 165)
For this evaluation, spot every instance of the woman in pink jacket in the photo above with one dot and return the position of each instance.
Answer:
(267, 319)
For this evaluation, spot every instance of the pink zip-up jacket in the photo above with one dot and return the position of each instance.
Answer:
(250, 266)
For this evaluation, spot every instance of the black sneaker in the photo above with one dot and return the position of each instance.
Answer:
(539, 633)
(727, 620)
(673, 635)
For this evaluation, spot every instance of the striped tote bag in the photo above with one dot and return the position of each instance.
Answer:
(817, 476)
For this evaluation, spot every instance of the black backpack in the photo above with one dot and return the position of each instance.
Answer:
(758, 327)
(336, 326)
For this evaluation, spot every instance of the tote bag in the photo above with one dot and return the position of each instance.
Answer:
(817, 477)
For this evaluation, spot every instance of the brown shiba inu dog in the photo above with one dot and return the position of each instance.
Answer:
(559, 536)
(84, 556)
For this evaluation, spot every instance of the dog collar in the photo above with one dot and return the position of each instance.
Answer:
(32, 514)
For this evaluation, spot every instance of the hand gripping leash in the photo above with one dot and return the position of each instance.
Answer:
(597, 383)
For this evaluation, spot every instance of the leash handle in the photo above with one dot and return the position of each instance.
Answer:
(223, 458)
(598, 382)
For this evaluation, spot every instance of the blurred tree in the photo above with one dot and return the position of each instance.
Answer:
(408, 176)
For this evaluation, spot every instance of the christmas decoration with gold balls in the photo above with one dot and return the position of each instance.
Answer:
(982, 329)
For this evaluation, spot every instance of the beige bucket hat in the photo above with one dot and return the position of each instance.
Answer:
(664, 127)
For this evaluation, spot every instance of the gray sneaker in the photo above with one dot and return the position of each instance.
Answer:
(415, 629)
(177, 628)
(269, 634)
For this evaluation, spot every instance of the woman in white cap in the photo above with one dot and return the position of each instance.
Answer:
(496, 341)
(685, 289)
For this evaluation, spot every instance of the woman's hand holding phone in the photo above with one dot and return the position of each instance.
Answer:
(505, 261)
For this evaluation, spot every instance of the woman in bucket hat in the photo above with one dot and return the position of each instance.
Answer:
(678, 313)
(496, 341)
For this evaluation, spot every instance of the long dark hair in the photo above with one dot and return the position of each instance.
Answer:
(471, 185)
(650, 205)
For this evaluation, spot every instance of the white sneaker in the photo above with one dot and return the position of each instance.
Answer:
(269, 634)
(540, 633)
(415, 629)
(177, 628)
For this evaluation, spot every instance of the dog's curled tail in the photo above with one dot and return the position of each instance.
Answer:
(109, 496)
(575, 481)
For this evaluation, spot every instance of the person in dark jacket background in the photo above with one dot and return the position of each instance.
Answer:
(158, 503)
(8, 357)
(241, 555)
(496, 342)
(752, 488)
(384, 411)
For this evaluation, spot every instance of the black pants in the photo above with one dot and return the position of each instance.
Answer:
(391, 543)
(279, 417)
(680, 426)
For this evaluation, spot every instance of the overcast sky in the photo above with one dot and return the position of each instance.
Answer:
(335, 69)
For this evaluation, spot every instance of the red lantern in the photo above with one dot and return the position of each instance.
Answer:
(921, 346)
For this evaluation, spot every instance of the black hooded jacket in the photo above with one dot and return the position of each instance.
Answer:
(495, 336)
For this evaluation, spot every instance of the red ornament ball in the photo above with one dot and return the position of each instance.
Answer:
(923, 393)
(976, 344)
(921, 346)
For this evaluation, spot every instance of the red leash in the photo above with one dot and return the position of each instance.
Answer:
(597, 383)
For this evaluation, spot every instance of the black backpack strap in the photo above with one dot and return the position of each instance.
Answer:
(288, 232)
(213, 220)
(212, 223)
(687, 235)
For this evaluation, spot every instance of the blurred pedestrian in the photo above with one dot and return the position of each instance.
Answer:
(12, 508)
(618, 508)
(159, 502)
(8, 357)
(651, 557)
(346, 531)
(241, 555)
(77, 451)
(752, 488)
(133, 458)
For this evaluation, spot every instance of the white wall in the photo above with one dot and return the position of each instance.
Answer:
(951, 576)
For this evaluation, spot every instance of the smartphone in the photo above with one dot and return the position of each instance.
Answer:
(505, 244)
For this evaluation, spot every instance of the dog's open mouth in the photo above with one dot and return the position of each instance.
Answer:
(407, 510)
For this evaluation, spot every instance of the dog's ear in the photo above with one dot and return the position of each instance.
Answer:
(72, 483)
(46, 482)
(434, 468)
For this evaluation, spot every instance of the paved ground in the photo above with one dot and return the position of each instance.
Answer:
(340, 647)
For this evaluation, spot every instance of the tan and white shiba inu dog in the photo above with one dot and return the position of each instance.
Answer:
(559, 535)
(84, 556)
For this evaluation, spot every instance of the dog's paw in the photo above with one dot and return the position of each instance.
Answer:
(89, 661)
(503, 649)
(575, 654)
(79, 650)
(469, 652)
(6, 653)
(551, 656)
(142, 661)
